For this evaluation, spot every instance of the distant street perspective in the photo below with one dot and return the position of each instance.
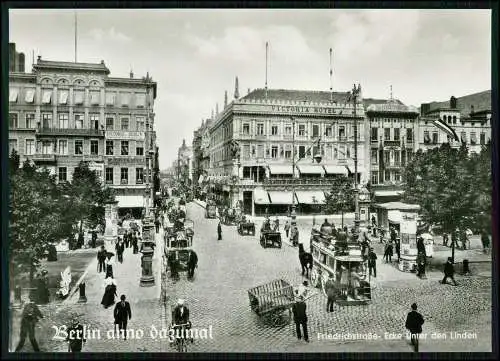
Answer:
(287, 221)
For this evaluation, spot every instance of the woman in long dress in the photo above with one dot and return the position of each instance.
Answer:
(110, 262)
(108, 299)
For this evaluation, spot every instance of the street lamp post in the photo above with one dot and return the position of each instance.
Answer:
(293, 214)
(355, 93)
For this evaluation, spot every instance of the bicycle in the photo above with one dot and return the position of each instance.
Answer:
(180, 342)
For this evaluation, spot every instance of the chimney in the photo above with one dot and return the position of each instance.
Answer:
(225, 99)
(39, 58)
(248, 91)
(453, 102)
(131, 74)
(102, 62)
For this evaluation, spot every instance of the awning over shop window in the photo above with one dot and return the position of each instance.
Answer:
(310, 197)
(280, 169)
(310, 169)
(388, 193)
(350, 170)
(335, 169)
(260, 196)
(280, 197)
(130, 201)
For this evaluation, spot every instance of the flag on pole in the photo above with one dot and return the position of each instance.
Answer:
(446, 128)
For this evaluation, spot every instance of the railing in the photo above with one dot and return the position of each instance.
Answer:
(392, 143)
(70, 131)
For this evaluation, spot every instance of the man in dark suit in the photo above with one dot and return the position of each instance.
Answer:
(300, 318)
(122, 314)
(31, 315)
(449, 272)
(75, 337)
(414, 322)
(180, 315)
(101, 258)
(192, 263)
(219, 231)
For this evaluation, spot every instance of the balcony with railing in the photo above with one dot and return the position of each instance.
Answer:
(70, 131)
(392, 143)
(40, 157)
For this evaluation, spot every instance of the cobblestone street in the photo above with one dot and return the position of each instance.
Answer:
(218, 299)
(228, 268)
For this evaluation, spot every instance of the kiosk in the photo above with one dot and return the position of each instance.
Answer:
(403, 216)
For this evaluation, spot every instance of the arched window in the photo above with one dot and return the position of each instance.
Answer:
(454, 119)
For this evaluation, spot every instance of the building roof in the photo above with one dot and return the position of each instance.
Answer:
(46, 64)
(481, 101)
(391, 106)
(305, 95)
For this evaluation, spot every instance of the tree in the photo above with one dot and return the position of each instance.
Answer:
(341, 197)
(445, 182)
(14, 161)
(35, 219)
(87, 197)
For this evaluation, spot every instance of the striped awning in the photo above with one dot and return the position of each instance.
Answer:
(335, 169)
(387, 193)
(260, 196)
(281, 197)
(310, 169)
(310, 197)
(130, 201)
(280, 168)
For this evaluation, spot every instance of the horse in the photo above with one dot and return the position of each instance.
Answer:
(306, 260)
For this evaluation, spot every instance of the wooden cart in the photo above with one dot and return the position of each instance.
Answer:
(271, 301)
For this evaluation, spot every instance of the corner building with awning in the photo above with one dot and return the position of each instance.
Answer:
(254, 138)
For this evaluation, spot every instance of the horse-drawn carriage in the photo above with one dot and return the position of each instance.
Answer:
(178, 247)
(270, 238)
(272, 300)
(246, 227)
(341, 260)
(211, 210)
(230, 217)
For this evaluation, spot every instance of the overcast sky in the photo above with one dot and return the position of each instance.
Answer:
(194, 55)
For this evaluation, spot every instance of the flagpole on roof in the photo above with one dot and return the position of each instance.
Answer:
(76, 32)
(331, 76)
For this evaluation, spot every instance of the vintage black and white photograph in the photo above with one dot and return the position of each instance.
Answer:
(249, 180)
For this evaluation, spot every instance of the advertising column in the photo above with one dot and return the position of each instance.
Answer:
(408, 233)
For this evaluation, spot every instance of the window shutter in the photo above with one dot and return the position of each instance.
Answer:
(79, 97)
(29, 96)
(95, 97)
(63, 97)
(140, 100)
(47, 96)
(13, 92)
(110, 98)
(125, 99)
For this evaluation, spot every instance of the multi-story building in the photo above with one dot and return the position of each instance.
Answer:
(201, 157)
(185, 163)
(63, 113)
(469, 116)
(255, 138)
(393, 127)
(16, 59)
